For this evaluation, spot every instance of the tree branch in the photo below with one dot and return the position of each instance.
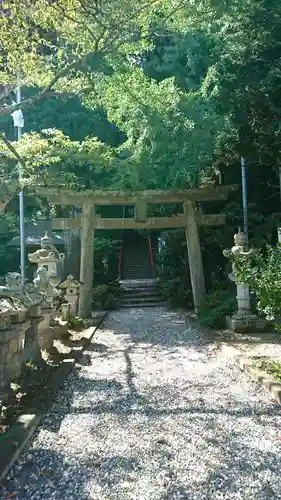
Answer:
(5, 111)
(60, 9)
(12, 149)
(176, 9)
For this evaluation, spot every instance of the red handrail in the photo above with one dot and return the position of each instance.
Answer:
(120, 261)
(151, 255)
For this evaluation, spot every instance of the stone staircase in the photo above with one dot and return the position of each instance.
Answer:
(140, 293)
(136, 264)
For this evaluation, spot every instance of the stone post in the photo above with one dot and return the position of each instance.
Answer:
(6, 393)
(65, 312)
(45, 334)
(87, 261)
(32, 348)
(194, 255)
(14, 301)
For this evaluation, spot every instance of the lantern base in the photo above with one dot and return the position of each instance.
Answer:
(246, 324)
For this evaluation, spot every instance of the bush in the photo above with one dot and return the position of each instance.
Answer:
(218, 304)
(262, 273)
(76, 323)
(105, 297)
(175, 292)
(173, 270)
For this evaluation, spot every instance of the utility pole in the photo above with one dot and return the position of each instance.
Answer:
(18, 122)
(244, 196)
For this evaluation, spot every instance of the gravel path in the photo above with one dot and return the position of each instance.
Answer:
(158, 414)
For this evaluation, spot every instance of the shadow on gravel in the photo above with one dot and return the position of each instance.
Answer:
(133, 392)
(239, 467)
(51, 475)
(212, 431)
(162, 328)
(39, 478)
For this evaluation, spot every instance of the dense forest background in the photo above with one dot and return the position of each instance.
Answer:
(188, 89)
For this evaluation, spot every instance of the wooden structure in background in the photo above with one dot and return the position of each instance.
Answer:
(88, 222)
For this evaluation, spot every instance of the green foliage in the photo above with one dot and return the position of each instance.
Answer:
(173, 270)
(187, 83)
(172, 90)
(77, 40)
(65, 113)
(170, 133)
(245, 81)
(106, 254)
(9, 227)
(262, 272)
(271, 367)
(105, 297)
(76, 323)
(219, 303)
(52, 158)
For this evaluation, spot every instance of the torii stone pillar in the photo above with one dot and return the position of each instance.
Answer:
(194, 255)
(87, 261)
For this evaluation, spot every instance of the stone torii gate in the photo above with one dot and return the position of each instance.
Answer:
(190, 219)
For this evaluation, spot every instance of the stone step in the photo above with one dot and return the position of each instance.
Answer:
(140, 298)
(139, 305)
(139, 293)
(136, 272)
(136, 269)
(136, 276)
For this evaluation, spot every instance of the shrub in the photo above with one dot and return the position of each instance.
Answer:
(76, 323)
(175, 292)
(262, 273)
(218, 304)
(271, 367)
(106, 296)
(173, 270)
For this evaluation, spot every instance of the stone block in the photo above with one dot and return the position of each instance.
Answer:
(5, 320)
(247, 324)
(45, 337)
(11, 348)
(17, 341)
(66, 311)
(35, 311)
(73, 300)
(32, 350)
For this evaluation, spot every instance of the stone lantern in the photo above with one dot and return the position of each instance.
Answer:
(49, 257)
(71, 287)
(243, 320)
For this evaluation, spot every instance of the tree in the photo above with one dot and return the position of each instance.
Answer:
(84, 51)
(69, 41)
(170, 133)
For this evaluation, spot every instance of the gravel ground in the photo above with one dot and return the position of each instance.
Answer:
(260, 346)
(158, 414)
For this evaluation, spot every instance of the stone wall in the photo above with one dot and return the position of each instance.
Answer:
(26, 313)
(19, 342)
